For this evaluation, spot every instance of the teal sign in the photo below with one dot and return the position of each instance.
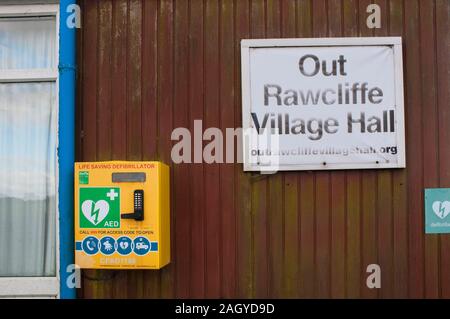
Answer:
(437, 210)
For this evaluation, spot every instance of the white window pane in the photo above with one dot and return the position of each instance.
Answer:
(28, 121)
(27, 43)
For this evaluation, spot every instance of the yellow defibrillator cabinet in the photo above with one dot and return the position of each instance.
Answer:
(122, 215)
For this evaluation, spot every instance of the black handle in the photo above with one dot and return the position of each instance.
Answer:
(138, 207)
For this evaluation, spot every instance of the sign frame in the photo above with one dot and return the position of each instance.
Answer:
(394, 42)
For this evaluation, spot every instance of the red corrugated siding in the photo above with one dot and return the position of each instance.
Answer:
(147, 67)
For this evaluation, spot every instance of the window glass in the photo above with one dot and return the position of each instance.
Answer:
(27, 43)
(27, 179)
(28, 141)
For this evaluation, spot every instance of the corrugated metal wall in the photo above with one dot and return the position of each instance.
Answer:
(147, 67)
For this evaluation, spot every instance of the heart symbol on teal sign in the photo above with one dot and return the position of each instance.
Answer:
(441, 209)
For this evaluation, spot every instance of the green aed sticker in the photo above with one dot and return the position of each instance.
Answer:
(99, 207)
(83, 177)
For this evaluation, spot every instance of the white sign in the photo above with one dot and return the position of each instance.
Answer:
(330, 103)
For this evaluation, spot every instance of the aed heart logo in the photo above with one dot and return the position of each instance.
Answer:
(441, 209)
(124, 245)
(99, 207)
(95, 212)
